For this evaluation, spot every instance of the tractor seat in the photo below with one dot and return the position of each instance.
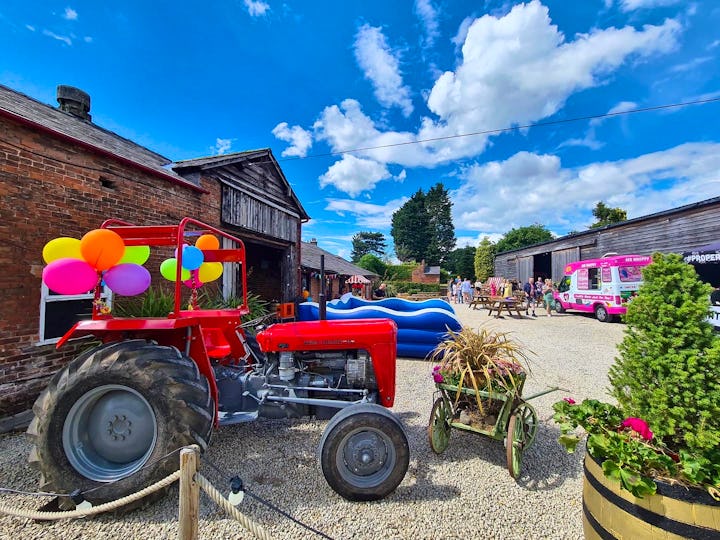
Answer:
(215, 343)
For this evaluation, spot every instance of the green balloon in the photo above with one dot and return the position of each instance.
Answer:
(168, 270)
(136, 254)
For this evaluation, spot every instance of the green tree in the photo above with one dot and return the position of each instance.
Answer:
(485, 259)
(461, 261)
(373, 263)
(667, 370)
(522, 237)
(606, 215)
(409, 230)
(441, 230)
(366, 242)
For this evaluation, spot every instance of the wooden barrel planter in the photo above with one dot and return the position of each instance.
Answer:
(673, 512)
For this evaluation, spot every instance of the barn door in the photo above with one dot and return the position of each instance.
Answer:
(524, 268)
(562, 258)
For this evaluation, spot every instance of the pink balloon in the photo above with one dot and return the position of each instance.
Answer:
(189, 282)
(127, 279)
(69, 276)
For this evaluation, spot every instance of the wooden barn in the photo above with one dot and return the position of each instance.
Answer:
(258, 205)
(672, 231)
(63, 175)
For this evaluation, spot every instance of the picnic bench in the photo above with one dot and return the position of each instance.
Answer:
(508, 304)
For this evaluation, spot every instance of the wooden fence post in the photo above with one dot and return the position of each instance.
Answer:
(189, 504)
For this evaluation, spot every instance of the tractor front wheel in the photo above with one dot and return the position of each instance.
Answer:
(364, 452)
(107, 421)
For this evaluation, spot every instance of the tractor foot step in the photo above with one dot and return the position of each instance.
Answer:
(228, 418)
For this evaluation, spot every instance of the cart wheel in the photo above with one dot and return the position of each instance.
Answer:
(439, 428)
(521, 431)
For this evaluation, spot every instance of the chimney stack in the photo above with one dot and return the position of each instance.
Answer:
(74, 101)
(313, 241)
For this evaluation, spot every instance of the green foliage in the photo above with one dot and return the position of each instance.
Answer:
(522, 237)
(409, 229)
(400, 272)
(441, 229)
(365, 243)
(606, 215)
(667, 372)
(422, 228)
(409, 287)
(666, 384)
(155, 302)
(373, 263)
(484, 262)
(461, 262)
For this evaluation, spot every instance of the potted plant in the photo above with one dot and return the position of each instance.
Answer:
(653, 459)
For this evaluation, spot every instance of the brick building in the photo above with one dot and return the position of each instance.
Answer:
(425, 274)
(62, 175)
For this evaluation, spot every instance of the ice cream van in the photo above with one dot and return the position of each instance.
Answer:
(601, 286)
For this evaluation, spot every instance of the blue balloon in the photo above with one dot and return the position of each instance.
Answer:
(192, 258)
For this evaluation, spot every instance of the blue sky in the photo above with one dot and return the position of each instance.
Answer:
(311, 78)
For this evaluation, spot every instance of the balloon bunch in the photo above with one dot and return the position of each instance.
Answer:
(75, 266)
(195, 271)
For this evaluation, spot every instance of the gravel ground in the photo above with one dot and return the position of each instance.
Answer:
(464, 493)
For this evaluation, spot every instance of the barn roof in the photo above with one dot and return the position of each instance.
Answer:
(30, 112)
(333, 264)
(261, 156)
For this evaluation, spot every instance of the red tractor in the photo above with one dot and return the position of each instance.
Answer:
(153, 385)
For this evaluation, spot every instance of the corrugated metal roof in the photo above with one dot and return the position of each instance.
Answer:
(333, 264)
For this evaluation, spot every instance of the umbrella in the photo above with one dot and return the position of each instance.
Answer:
(358, 279)
(709, 254)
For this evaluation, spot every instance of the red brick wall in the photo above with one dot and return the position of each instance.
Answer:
(51, 188)
(419, 276)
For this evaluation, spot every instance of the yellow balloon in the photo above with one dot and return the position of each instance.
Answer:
(210, 271)
(62, 248)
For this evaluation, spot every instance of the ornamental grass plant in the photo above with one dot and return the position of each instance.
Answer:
(484, 360)
(666, 381)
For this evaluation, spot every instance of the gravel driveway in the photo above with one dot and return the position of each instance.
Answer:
(464, 493)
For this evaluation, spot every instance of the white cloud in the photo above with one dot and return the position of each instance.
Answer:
(692, 64)
(222, 146)
(621, 107)
(70, 14)
(528, 188)
(381, 67)
(88, 39)
(256, 8)
(353, 175)
(428, 15)
(66, 40)
(482, 93)
(31, 28)
(367, 215)
(630, 5)
(714, 44)
(459, 38)
(300, 140)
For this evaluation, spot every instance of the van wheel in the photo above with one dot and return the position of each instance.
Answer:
(559, 307)
(602, 314)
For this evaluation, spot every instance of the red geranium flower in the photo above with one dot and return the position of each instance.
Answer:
(639, 426)
(569, 400)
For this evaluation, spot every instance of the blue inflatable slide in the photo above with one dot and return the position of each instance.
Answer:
(421, 325)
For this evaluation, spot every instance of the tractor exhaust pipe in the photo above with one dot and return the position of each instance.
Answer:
(321, 303)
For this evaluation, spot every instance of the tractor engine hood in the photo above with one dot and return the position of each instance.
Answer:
(377, 336)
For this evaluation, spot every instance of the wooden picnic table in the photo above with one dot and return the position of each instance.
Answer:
(481, 301)
(499, 303)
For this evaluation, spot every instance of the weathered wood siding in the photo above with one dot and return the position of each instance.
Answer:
(673, 231)
(250, 212)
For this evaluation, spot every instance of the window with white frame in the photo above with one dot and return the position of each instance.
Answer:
(58, 312)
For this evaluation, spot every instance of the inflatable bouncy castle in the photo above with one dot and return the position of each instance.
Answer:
(421, 325)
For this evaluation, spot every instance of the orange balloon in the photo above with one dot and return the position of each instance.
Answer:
(102, 248)
(207, 241)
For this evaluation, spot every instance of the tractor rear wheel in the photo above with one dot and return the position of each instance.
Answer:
(364, 452)
(107, 420)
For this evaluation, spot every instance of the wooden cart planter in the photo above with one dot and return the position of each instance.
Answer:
(507, 416)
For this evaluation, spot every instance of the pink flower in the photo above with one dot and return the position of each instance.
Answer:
(569, 400)
(437, 377)
(639, 426)
(436, 369)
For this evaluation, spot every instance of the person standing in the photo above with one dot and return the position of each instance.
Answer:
(458, 290)
(548, 296)
(529, 290)
(539, 291)
(467, 291)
